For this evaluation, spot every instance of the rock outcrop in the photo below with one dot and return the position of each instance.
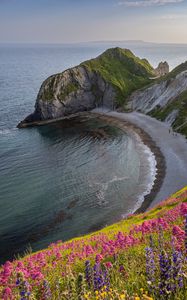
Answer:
(104, 81)
(116, 78)
(165, 100)
(75, 90)
(158, 94)
(162, 69)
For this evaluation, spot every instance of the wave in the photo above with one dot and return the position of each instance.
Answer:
(100, 194)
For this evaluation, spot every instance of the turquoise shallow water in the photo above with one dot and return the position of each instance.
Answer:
(60, 181)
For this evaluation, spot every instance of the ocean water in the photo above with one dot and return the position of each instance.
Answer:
(65, 179)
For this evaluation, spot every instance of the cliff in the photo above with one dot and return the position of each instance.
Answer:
(165, 99)
(104, 81)
(116, 78)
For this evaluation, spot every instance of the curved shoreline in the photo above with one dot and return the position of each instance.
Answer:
(126, 126)
(147, 140)
(173, 147)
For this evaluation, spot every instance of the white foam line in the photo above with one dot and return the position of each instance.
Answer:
(151, 175)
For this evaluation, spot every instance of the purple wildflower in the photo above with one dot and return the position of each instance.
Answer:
(24, 287)
(46, 290)
(165, 273)
(106, 280)
(150, 267)
(88, 273)
(97, 277)
(100, 277)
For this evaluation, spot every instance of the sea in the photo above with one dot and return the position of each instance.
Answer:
(70, 178)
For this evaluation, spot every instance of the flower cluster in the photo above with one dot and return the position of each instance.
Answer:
(107, 263)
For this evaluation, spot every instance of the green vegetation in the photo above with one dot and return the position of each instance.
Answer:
(180, 104)
(140, 258)
(118, 67)
(70, 88)
(48, 93)
(123, 70)
(49, 89)
(182, 67)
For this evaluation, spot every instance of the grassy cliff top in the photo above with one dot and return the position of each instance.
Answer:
(180, 68)
(140, 258)
(121, 68)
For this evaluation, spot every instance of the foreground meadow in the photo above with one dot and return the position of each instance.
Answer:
(141, 257)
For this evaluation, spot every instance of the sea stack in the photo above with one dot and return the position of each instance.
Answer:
(162, 69)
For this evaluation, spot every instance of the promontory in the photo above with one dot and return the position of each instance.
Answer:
(115, 79)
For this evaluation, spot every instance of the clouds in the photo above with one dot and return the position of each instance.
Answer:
(147, 3)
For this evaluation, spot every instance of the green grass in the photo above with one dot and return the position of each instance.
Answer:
(67, 90)
(118, 67)
(67, 280)
(123, 70)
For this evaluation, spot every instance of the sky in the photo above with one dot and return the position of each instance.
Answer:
(69, 21)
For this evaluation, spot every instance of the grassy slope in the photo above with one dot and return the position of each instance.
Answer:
(122, 69)
(182, 67)
(179, 103)
(58, 271)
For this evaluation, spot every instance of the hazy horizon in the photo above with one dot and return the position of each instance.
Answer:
(82, 21)
(90, 42)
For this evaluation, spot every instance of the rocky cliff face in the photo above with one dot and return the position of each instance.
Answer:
(159, 94)
(74, 90)
(104, 81)
(165, 100)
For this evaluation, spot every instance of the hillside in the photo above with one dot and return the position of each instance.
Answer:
(123, 70)
(174, 113)
(141, 257)
(104, 81)
(165, 99)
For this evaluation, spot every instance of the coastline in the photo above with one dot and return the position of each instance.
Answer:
(172, 147)
(147, 141)
(169, 149)
(128, 127)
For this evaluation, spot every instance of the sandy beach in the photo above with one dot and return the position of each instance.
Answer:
(169, 148)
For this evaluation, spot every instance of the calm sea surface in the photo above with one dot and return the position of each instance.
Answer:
(62, 180)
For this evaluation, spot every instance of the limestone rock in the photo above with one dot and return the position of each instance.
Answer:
(159, 94)
(162, 69)
(105, 81)
(72, 91)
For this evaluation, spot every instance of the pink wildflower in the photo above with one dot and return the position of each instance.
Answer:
(7, 294)
(98, 258)
(183, 209)
(108, 265)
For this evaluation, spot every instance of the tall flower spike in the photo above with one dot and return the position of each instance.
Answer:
(150, 268)
(165, 274)
(88, 273)
(46, 290)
